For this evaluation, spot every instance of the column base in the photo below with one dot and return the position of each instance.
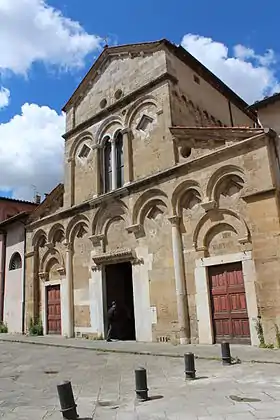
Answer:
(184, 340)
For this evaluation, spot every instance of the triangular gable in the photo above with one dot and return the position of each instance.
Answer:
(112, 52)
(100, 64)
(52, 202)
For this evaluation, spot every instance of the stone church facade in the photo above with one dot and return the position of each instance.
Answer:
(169, 206)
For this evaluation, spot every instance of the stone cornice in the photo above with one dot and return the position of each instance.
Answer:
(183, 168)
(119, 104)
(270, 192)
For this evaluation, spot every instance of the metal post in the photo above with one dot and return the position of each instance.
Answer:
(67, 402)
(141, 384)
(226, 356)
(189, 366)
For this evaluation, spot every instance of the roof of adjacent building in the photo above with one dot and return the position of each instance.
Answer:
(269, 100)
(19, 217)
(178, 51)
(15, 200)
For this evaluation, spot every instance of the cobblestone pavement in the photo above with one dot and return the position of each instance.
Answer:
(103, 384)
(244, 353)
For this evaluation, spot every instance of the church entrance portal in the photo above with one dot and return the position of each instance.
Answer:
(119, 288)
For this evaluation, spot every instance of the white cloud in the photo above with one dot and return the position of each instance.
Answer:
(4, 97)
(31, 30)
(250, 75)
(31, 151)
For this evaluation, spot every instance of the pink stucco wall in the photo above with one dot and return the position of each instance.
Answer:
(8, 208)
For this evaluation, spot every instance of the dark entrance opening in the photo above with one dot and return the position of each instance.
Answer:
(119, 288)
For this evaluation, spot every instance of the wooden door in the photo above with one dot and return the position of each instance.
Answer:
(53, 310)
(229, 308)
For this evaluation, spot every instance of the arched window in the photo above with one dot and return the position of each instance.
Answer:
(119, 159)
(107, 159)
(15, 262)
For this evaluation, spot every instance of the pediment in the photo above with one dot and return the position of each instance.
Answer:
(113, 64)
(116, 77)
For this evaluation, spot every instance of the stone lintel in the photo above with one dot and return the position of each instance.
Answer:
(120, 255)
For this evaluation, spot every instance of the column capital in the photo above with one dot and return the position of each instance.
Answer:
(126, 130)
(68, 246)
(174, 220)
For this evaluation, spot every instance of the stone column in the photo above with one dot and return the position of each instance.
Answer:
(97, 187)
(114, 165)
(127, 155)
(180, 282)
(68, 310)
(70, 183)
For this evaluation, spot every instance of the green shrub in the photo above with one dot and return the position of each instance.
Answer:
(35, 327)
(3, 328)
(260, 334)
(277, 336)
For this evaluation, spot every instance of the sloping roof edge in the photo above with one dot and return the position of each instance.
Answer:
(178, 51)
(22, 216)
(58, 189)
(264, 102)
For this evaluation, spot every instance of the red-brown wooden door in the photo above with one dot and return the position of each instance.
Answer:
(229, 308)
(53, 310)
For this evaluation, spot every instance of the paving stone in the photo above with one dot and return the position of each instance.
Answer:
(104, 387)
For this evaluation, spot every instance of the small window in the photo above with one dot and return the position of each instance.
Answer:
(15, 262)
(84, 151)
(118, 94)
(107, 165)
(103, 103)
(119, 159)
(196, 79)
(144, 123)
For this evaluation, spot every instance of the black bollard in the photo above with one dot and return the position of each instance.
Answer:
(67, 402)
(189, 366)
(226, 356)
(141, 384)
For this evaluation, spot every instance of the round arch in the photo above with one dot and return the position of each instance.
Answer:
(218, 174)
(78, 220)
(154, 193)
(147, 100)
(106, 213)
(104, 127)
(38, 236)
(15, 262)
(50, 255)
(180, 191)
(54, 229)
(226, 217)
(78, 141)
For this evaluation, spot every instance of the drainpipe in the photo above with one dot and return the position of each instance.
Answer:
(230, 114)
(3, 275)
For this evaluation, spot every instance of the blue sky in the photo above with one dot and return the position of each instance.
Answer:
(237, 40)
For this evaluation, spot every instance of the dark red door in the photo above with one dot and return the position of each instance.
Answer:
(229, 309)
(53, 310)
